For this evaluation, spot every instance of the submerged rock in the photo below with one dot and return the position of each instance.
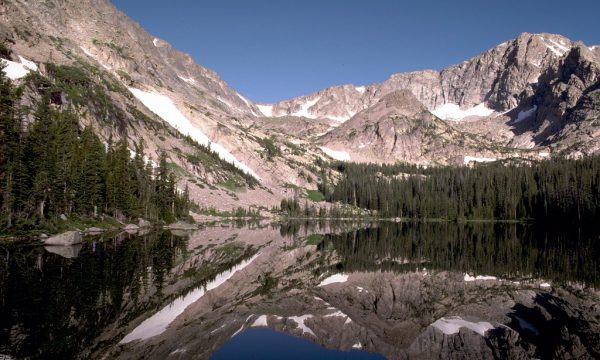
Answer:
(130, 227)
(65, 239)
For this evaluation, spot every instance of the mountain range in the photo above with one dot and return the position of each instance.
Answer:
(534, 97)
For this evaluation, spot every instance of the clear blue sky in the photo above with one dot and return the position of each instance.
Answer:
(271, 50)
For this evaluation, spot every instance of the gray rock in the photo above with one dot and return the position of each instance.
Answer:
(65, 239)
(399, 127)
(43, 236)
(142, 223)
(63, 217)
(94, 230)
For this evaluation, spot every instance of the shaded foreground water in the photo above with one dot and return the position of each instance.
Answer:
(329, 290)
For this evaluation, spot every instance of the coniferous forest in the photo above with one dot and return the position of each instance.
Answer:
(49, 166)
(557, 190)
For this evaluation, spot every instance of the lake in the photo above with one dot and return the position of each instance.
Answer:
(334, 290)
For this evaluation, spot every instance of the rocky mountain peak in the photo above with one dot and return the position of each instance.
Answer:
(493, 80)
(517, 96)
(401, 102)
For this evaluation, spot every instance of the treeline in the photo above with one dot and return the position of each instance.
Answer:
(294, 209)
(505, 250)
(50, 167)
(552, 190)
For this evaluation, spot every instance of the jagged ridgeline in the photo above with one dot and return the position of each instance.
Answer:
(50, 166)
(560, 190)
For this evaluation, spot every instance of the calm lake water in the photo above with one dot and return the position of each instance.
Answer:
(314, 290)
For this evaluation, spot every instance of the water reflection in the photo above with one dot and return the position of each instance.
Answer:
(504, 250)
(53, 305)
(282, 346)
(157, 323)
(381, 287)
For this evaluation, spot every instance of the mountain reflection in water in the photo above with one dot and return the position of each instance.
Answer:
(401, 290)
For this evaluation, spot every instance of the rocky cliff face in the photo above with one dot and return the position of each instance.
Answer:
(158, 94)
(497, 78)
(398, 126)
(567, 104)
(494, 95)
(532, 96)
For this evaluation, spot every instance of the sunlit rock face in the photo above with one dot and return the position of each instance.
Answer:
(533, 95)
(527, 93)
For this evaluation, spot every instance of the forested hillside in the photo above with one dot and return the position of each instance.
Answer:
(560, 190)
(49, 166)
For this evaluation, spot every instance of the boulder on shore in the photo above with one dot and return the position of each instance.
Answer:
(65, 239)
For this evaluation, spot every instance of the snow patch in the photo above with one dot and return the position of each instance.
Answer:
(470, 278)
(341, 119)
(248, 104)
(238, 331)
(15, 70)
(360, 89)
(304, 109)
(544, 154)
(338, 313)
(155, 42)
(524, 114)
(337, 155)
(526, 325)
(158, 323)
(451, 325)
(560, 44)
(187, 80)
(244, 100)
(300, 321)
(451, 111)
(260, 321)
(28, 64)
(558, 49)
(545, 285)
(337, 278)
(227, 103)
(178, 351)
(469, 159)
(266, 110)
(357, 346)
(217, 329)
(164, 107)
(88, 53)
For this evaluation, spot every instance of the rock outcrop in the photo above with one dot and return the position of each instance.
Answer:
(65, 239)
